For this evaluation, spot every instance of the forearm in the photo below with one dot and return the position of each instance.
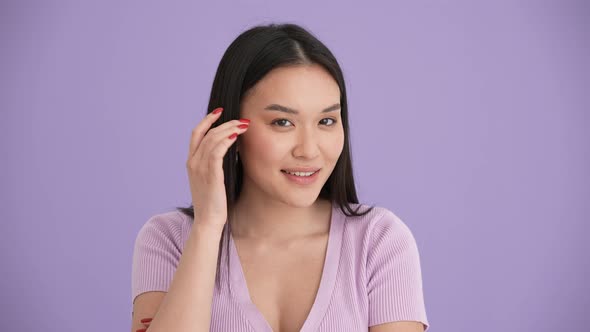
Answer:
(187, 305)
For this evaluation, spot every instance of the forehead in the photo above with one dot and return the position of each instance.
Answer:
(303, 87)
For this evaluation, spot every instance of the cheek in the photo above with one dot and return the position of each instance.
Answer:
(261, 146)
(334, 145)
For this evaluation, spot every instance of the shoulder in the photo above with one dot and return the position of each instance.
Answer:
(157, 251)
(393, 273)
(378, 223)
(169, 227)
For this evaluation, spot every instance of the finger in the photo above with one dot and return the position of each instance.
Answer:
(200, 130)
(217, 136)
(146, 322)
(216, 144)
(211, 131)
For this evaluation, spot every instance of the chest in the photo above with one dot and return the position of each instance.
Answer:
(283, 281)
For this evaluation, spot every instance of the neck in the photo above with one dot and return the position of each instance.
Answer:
(271, 220)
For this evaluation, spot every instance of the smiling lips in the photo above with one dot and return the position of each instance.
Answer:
(302, 180)
(302, 169)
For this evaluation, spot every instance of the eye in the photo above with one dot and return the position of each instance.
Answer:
(277, 121)
(333, 121)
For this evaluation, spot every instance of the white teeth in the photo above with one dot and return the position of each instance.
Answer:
(300, 173)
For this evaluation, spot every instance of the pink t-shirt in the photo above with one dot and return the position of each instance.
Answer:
(371, 273)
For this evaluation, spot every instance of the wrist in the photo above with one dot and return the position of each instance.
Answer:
(201, 226)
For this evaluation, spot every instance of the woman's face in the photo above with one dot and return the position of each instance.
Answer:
(278, 140)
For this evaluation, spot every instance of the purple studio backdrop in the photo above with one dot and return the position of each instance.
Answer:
(468, 119)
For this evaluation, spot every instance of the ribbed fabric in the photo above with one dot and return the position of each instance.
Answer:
(371, 274)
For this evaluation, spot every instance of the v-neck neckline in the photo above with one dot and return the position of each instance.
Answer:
(239, 289)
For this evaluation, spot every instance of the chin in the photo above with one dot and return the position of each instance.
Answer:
(302, 200)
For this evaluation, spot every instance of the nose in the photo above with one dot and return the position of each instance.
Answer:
(307, 144)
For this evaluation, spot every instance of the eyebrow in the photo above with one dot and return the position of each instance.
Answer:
(285, 109)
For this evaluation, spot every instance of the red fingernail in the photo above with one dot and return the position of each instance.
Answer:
(217, 110)
(232, 136)
(245, 120)
(244, 126)
(141, 330)
(146, 320)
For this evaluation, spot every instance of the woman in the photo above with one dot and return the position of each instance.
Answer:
(278, 208)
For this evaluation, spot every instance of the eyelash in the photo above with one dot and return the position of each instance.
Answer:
(277, 120)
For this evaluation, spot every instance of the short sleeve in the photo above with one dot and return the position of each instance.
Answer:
(156, 255)
(394, 277)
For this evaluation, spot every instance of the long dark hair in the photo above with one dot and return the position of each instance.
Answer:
(246, 61)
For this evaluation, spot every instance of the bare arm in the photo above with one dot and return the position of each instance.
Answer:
(406, 326)
(187, 305)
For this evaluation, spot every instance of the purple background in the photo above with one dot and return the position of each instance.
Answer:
(469, 121)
